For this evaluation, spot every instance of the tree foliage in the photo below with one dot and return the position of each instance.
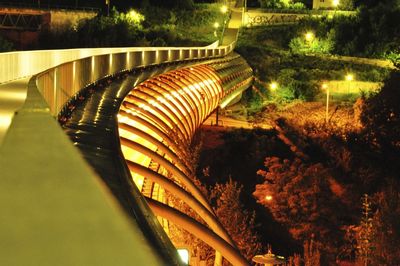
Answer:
(374, 32)
(5, 46)
(300, 45)
(387, 227)
(381, 118)
(301, 199)
(239, 222)
(289, 4)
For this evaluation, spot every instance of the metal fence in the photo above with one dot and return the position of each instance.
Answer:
(58, 84)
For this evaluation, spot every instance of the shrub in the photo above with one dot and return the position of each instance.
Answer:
(5, 46)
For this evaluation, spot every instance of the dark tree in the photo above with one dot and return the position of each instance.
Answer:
(381, 119)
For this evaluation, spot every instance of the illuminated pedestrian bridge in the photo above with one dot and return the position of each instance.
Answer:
(157, 121)
(131, 114)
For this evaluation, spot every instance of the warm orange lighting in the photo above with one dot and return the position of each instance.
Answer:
(324, 86)
(268, 198)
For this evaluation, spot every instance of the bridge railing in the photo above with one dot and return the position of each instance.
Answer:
(60, 83)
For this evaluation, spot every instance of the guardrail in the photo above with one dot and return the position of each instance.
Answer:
(60, 83)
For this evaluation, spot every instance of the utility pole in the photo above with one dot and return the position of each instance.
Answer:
(326, 87)
(108, 7)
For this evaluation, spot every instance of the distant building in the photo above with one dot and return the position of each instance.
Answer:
(22, 25)
(317, 4)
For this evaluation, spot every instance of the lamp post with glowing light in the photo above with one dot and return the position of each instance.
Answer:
(349, 78)
(108, 7)
(335, 4)
(216, 26)
(326, 87)
(309, 36)
(273, 86)
(224, 9)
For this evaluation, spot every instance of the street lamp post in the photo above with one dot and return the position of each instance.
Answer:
(309, 36)
(349, 78)
(326, 87)
(216, 26)
(108, 7)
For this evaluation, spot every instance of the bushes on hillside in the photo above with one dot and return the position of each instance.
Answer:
(5, 46)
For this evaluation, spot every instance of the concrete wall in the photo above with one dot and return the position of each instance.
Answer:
(323, 4)
(257, 18)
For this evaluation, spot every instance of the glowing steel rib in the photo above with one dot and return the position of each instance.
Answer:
(157, 121)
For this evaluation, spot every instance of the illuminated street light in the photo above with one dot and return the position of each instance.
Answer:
(335, 3)
(216, 26)
(349, 77)
(268, 198)
(309, 36)
(273, 86)
(224, 9)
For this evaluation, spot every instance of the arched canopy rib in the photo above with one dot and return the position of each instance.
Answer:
(199, 230)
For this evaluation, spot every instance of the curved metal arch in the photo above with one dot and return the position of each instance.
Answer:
(173, 84)
(182, 194)
(161, 146)
(205, 93)
(189, 85)
(169, 106)
(211, 83)
(161, 124)
(177, 150)
(166, 113)
(156, 112)
(181, 107)
(209, 91)
(170, 87)
(195, 92)
(217, 80)
(178, 174)
(199, 230)
(135, 110)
